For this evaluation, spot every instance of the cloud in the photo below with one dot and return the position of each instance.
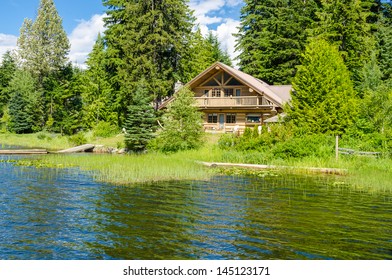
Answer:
(83, 37)
(225, 33)
(203, 7)
(223, 25)
(7, 43)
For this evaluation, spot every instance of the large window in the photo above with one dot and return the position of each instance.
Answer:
(212, 118)
(253, 118)
(230, 118)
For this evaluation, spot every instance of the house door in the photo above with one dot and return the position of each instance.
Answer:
(221, 121)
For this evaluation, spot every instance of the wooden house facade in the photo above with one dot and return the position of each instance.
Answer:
(232, 100)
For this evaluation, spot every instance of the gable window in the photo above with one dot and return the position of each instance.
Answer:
(212, 118)
(228, 92)
(216, 92)
(230, 118)
(206, 92)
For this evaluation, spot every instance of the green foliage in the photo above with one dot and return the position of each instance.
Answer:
(217, 54)
(323, 100)
(182, 125)
(7, 70)
(43, 45)
(271, 37)
(24, 106)
(77, 139)
(105, 129)
(202, 52)
(346, 23)
(140, 123)
(145, 39)
(97, 94)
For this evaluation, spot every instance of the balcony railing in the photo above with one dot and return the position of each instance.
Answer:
(242, 101)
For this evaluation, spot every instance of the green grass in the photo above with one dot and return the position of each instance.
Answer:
(363, 172)
(55, 142)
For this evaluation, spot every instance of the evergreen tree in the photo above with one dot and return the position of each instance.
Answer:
(24, 104)
(197, 59)
(272, 36)
(145, 39)
(43, 44)
(384, 40)
(7, 70)
(182, 124)
(141, 120)
(217, 53)
(345, 23)
(323, 100)
(97, 95)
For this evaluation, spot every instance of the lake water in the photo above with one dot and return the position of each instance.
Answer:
(64, 214)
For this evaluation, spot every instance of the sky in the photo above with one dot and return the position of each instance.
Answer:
(83, 20)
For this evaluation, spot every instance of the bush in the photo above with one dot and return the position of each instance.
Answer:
(77, 139)
(105, 129)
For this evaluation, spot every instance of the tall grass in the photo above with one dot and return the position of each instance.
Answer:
(363, 172)
(128, 169)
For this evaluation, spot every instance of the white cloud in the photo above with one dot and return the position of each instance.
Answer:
(225, 33)
(203, 7)
(225, 26)
(7, 43)
(83, 37)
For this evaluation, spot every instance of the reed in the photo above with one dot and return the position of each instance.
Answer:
(129, 169)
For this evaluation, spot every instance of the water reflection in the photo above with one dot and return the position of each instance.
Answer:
(63, 214)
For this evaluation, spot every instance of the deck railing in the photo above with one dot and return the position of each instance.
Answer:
(231, 101)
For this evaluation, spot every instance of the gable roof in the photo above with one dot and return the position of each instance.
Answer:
(277, 94)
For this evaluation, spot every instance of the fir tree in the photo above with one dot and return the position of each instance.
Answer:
(218, 54)
(345, 23)
(97, 95)
(272, 36)
(145, 39)
(7, 70)
(323, 100)
(182, 124)
(24, 104)
(141, 120)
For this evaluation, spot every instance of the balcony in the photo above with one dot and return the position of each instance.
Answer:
(241, 101)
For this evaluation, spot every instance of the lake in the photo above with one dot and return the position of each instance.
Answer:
(64, 214)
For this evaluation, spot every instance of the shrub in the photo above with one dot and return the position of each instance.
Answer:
(77, 139)
(105, 129)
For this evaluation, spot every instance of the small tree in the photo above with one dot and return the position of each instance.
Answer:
(323, 100)
(140, 122)
(182, 124)
(24, 106)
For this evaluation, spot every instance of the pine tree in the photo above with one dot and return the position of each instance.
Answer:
(43, 44)
(198, 57)
(182, 124)
(145, 39)
(97, 95)
(141, 121)
(272, 36)
(7, 70)
(323, 100)
(345, 23)
(24, 104)
(218, 54)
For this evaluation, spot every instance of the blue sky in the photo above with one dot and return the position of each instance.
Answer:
(82, 20)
